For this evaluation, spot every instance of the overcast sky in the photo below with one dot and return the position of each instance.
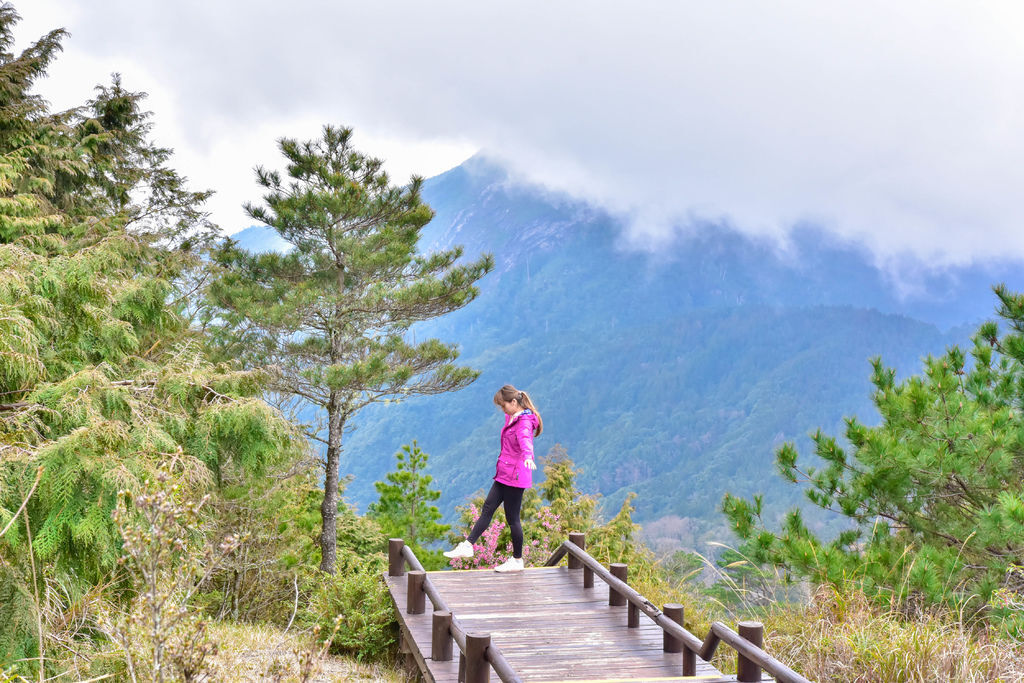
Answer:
(900, 125)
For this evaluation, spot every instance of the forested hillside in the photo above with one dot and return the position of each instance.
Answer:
(674, 375)
(164, 392)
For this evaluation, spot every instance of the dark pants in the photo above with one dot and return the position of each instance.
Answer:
(512, 498)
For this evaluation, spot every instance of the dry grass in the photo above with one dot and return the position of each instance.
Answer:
(249, 652)
(245, 653)
(841, 636)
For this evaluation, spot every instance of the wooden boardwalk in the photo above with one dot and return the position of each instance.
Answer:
(548, 627)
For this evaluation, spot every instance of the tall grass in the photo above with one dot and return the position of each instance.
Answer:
(839, 633)
(842, 635)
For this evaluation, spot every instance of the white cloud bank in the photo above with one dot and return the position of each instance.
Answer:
(897, 124)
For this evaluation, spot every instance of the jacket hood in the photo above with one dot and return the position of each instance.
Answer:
(527, 415)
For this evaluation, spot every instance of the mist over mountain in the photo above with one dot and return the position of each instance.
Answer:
(674, 373)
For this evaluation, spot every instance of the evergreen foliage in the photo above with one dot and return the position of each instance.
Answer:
(575, 510)
(933, 494)
(278, 514)
(368, 630)
(330, 316)
(403, 509)
(101, 378)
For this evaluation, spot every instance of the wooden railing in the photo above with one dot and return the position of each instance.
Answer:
(751, 659)
(476, 652)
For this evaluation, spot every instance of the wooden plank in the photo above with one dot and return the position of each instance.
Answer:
(534, 675)
(644, 679)
(548, 626)
(703, 679)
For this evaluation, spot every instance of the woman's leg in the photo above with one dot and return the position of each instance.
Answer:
(513, 503)
(490, 505)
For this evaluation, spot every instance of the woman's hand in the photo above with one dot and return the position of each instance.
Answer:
(530, 465)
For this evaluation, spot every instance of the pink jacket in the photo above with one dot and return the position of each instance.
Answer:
(516, 447)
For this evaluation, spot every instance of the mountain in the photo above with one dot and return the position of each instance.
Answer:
(673, 375)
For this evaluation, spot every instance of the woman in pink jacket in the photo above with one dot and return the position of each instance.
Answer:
(513, 474)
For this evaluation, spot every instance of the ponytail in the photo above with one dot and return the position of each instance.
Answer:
(524, 401)
(510, 393)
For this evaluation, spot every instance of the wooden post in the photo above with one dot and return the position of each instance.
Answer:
(478, 670)
(579, 539)
(440, 637)
(746, 669)
(711, 641)
(676, 613)
(416, 599)
(406, 656)
(619, 571)
(633, 616)
(633, 620)
(689, 662)
(396, 563)
(403, 644)
(669, 642)
(462, 667)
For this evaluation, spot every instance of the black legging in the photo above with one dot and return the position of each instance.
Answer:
(512, 497)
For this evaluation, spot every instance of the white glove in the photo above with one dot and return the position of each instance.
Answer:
(530, 465)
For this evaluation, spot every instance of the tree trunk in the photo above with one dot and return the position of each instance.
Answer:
(329, 508)
(412, 522)
(412, 500)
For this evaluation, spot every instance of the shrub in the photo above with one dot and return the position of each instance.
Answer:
(161, 636)
(932, 494)
(357, 593)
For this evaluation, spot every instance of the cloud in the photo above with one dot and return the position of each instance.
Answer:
(895, 124)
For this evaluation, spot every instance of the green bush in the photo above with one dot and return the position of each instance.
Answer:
(368, 630)
(931, 495)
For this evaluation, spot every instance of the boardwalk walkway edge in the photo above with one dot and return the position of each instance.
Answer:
(558, 628)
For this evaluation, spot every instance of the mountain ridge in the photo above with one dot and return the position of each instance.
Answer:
(673, 376)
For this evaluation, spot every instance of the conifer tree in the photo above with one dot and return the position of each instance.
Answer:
(101, 379)
(575, 510)
(331, 315)
(403, 509)
(933, 493)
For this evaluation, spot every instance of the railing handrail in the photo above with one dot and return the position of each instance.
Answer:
(492, 654)
(704, 649)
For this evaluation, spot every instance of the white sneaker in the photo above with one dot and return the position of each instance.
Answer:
(510, 565)
(464, 549)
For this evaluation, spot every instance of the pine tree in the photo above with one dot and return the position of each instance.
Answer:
(403, 509)
(331, 315)
(933, 493)
(575, 511)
